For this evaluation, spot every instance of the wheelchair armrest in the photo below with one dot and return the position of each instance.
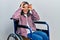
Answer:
(14, 19)
(42, 22)
(41, 30)
(23, 26)
(16, 24)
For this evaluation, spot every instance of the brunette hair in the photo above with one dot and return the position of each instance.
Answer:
(28, 13)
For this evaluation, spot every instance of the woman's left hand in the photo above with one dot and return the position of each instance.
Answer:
(30, 7)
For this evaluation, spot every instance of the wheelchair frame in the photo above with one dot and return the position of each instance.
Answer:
(19, 37)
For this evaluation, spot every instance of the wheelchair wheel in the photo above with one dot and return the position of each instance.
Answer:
(14, 37)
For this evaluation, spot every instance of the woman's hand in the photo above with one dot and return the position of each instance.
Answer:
(22, 5)
(30, 7)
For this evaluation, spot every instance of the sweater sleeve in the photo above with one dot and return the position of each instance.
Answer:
(35, 15)
(16, 15)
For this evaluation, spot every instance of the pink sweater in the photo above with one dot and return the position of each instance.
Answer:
(22, 21)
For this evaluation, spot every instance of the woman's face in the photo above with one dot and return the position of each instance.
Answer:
(25, 7)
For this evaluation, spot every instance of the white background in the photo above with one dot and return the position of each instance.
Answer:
(49, 11)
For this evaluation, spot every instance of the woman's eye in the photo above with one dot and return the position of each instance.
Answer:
(25, 7)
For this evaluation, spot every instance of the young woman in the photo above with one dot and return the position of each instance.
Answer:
(26, 16)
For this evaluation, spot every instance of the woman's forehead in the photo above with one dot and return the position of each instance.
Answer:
(26, 5)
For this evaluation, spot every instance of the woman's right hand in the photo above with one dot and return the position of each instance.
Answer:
(22, 5)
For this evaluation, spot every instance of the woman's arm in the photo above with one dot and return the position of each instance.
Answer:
(16, 15)
(35, 15)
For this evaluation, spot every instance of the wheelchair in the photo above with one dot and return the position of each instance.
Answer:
(15, 36)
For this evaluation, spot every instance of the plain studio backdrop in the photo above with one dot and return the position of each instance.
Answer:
(48, 10)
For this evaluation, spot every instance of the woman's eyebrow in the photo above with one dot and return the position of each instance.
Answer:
(24, 7)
